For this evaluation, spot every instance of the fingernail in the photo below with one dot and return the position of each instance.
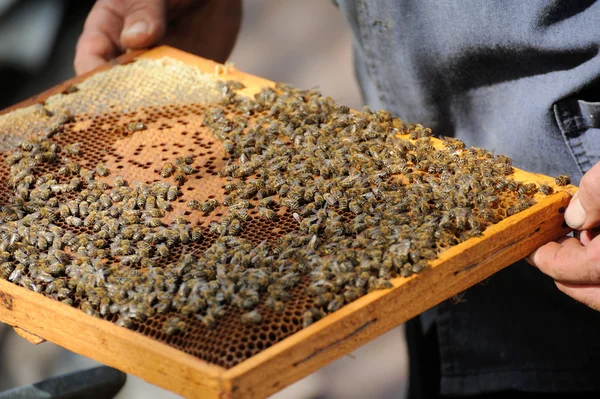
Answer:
(575, 214)
(140, 27)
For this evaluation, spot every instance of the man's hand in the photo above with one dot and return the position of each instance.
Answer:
(203, 27)
(574, 263)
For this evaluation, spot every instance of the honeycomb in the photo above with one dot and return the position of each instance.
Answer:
(170, 105)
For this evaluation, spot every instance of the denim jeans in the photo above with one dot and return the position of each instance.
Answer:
(521, 78)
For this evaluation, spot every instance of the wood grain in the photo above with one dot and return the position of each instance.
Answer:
(32, 338)
(105, 342)
(306, 351)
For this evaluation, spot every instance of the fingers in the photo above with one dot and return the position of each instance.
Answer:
(583, 211)
(587, 294)
(93, 50)
(99, 40)
(569, 262)
(587, 236)
(145, 23)
(114, 25)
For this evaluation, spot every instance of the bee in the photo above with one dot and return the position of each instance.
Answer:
(188, 169)
(229, 187)
(72, 149)
(120, 181)
(252, 317)
(152, 222)
(6, 269)
(74, 221)
(167, 170)
(194, 204)
(196, 234)
(208, 320)
(102, 170)
(172, 193)
(150, 203)
(307, 318)
(133, 127)
(188, 159)
(124, 322)
(48, 213)
(545, 189)
(180, 178)
(173, 325)
(179, 219)
(290, 203)
(241, 214)
(336, 303)
(209, 206)
(563, 180)
(163, 205)
(512, 185)
(527, 189)
(83, 208)
(214, 228)
(267, 213)
(234, 228)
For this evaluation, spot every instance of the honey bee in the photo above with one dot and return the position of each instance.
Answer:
(209, 206)
(267, 213)
(74, 221)
(336, 303)
(172, 193)
(72, 149)
(173, 324)
(307, 318)
(102, 170)
(545, 189)
(527, 189)
(196, 234)
(252, 317)
(133, 127)
(290, 203)
(188, 169)
(180, 178)
(163, 205)
(563, 180)
(152, 222)
(120, 181)
(167, 170)
(194, 204)
(208, 320)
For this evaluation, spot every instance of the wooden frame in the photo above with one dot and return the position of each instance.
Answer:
(40, 318)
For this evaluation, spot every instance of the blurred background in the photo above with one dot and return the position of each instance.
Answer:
(306, 43)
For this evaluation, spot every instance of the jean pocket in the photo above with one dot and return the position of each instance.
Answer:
(579, 123)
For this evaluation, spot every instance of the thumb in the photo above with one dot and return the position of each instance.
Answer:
(583, 212)
(144, 23)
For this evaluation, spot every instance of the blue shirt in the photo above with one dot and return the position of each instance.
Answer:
(521, 78)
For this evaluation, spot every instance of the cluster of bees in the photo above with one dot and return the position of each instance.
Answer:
(372, 198)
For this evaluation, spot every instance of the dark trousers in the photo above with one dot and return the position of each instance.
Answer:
(424, 361)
